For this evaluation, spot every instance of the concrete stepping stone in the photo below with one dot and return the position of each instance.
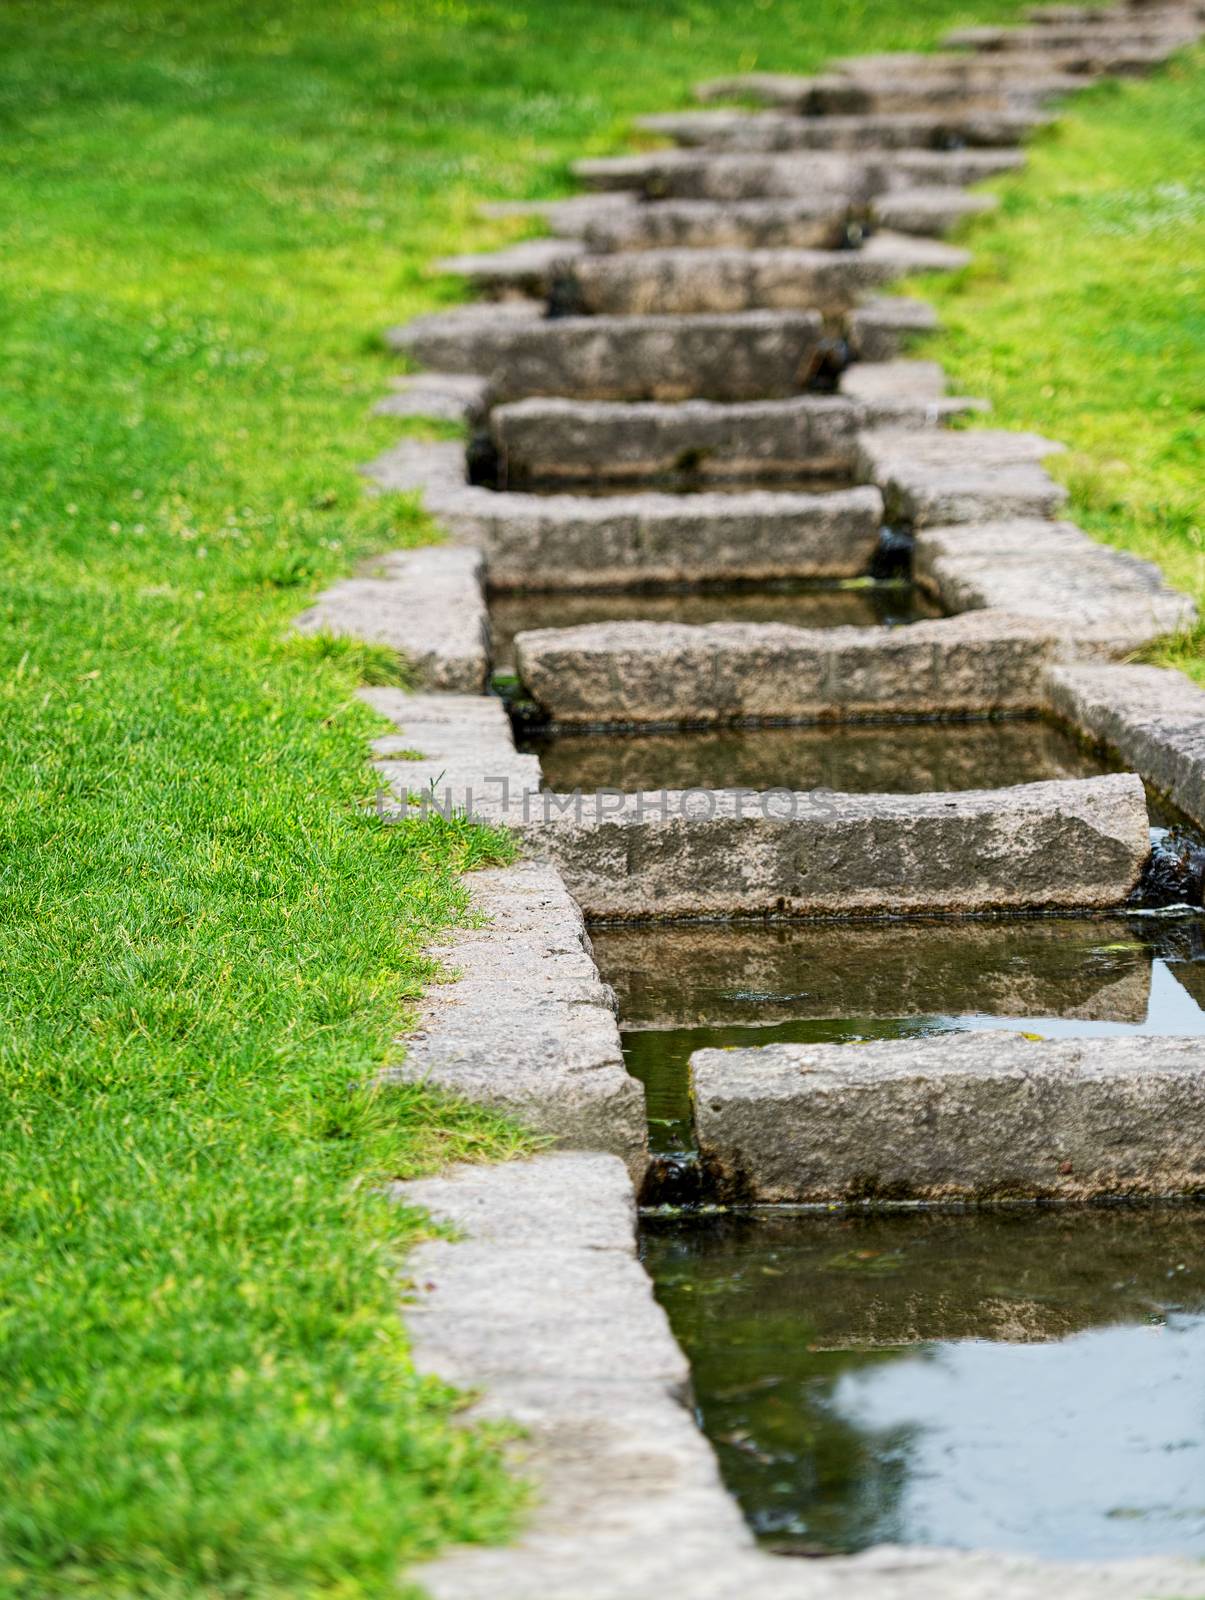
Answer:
(521, 352)
(972, 1117)
(928, 210)
(443, 396)
(1109, 601)
(796, 223)
(1078, 843)
(676, 282)
(1154, 718)
(426, 604)
(627, 674)
(883, 326)
(1056, 39)
(771, 131)
(569, 217)
(902, 391)
(520, 269)
(913, 84)
(451, 750)
(980, 475)
(575, 541)
(550, 439)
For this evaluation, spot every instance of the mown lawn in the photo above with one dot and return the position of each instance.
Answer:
(207, 211)
(1083, 316)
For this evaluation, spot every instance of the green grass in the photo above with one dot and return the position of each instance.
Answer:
(207, 212)
(1083, 316)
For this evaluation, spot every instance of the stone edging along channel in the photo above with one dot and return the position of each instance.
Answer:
(714, 303)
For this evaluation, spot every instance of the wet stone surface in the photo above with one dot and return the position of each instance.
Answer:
(1017, 1380)
(737, 985)
(860, 604)
(893, 757)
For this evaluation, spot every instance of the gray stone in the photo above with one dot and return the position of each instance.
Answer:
(913, 393)
(791, 224)
(1059, 846)
(982, 1116)
(933, 210)
(454, 750)
(427, 605)
(909, 84)
(652, 282)
(1161, 36)
(525, 1025)
(882, 328)
(568, 218)
(663, 673)
(445, 396)
(525, 268)
(772, 131)
(810, 434)
(1107, 602)
(1152, 717)
(745, 356)
(584, 542)
(979, 475)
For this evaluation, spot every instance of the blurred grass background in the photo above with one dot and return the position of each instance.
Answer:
(207, 213)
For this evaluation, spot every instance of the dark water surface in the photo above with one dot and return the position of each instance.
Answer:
(857, 603)
(686, 987)
(1029, 1381)
(875, 758)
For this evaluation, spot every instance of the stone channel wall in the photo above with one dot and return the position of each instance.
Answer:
(715, 307)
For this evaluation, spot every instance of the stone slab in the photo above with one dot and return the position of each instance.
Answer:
(428, 605)
(980, 475)
(884, 326)
(903, 392)
(551, 439)
(929, 211)
(658, 282)
(1078, 843)
(772, 131)
(666, 674)
(455, 750)
(918, 84)
(1152, 716)
(982, 1116)
(749, 355)
(585, 542)
(444, 396)
(793, 224)
(525, 1025)
(525, 268)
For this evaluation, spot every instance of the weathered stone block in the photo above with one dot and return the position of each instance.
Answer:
(772, 131)
(745, 356)
(981, 475)
(793, 224)
(980, 1116)
(667, 673)
(810, 434)
(881, 329)
(1063, 845)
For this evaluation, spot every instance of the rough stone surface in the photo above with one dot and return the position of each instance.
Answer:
(525, 268)
(932, 210)
(911, 84)
(913, 393)
(653, 282)
(674, 673)
(455, 750)
(741, 130)
(1154, 718)
(526, 1026)
(446, 396)
(975, 1116)
(427, 604)
(880, 329)
(981, 475)
(1062, 845)
(1107, 602)
(790, 224)
(584, 542)
(810, 434)
(749, 355)
(568, 218)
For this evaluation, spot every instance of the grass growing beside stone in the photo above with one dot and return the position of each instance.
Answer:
(207, 212)
(1083, 316)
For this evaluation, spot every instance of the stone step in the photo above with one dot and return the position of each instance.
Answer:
(771, 131)
(566, 439)
(1071, 844)
(902, 392)
(524, 269)
(928, 211)
(1110, 602)
(1083, 48)
(881, 328)
(801, 223)
(653, 282)
(674, 674)
(913, 84)
(984, 1116)
(582, 542)
(569, 218)
(980, 475)
(521, 352)
(823, 176)
(1090, 59)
